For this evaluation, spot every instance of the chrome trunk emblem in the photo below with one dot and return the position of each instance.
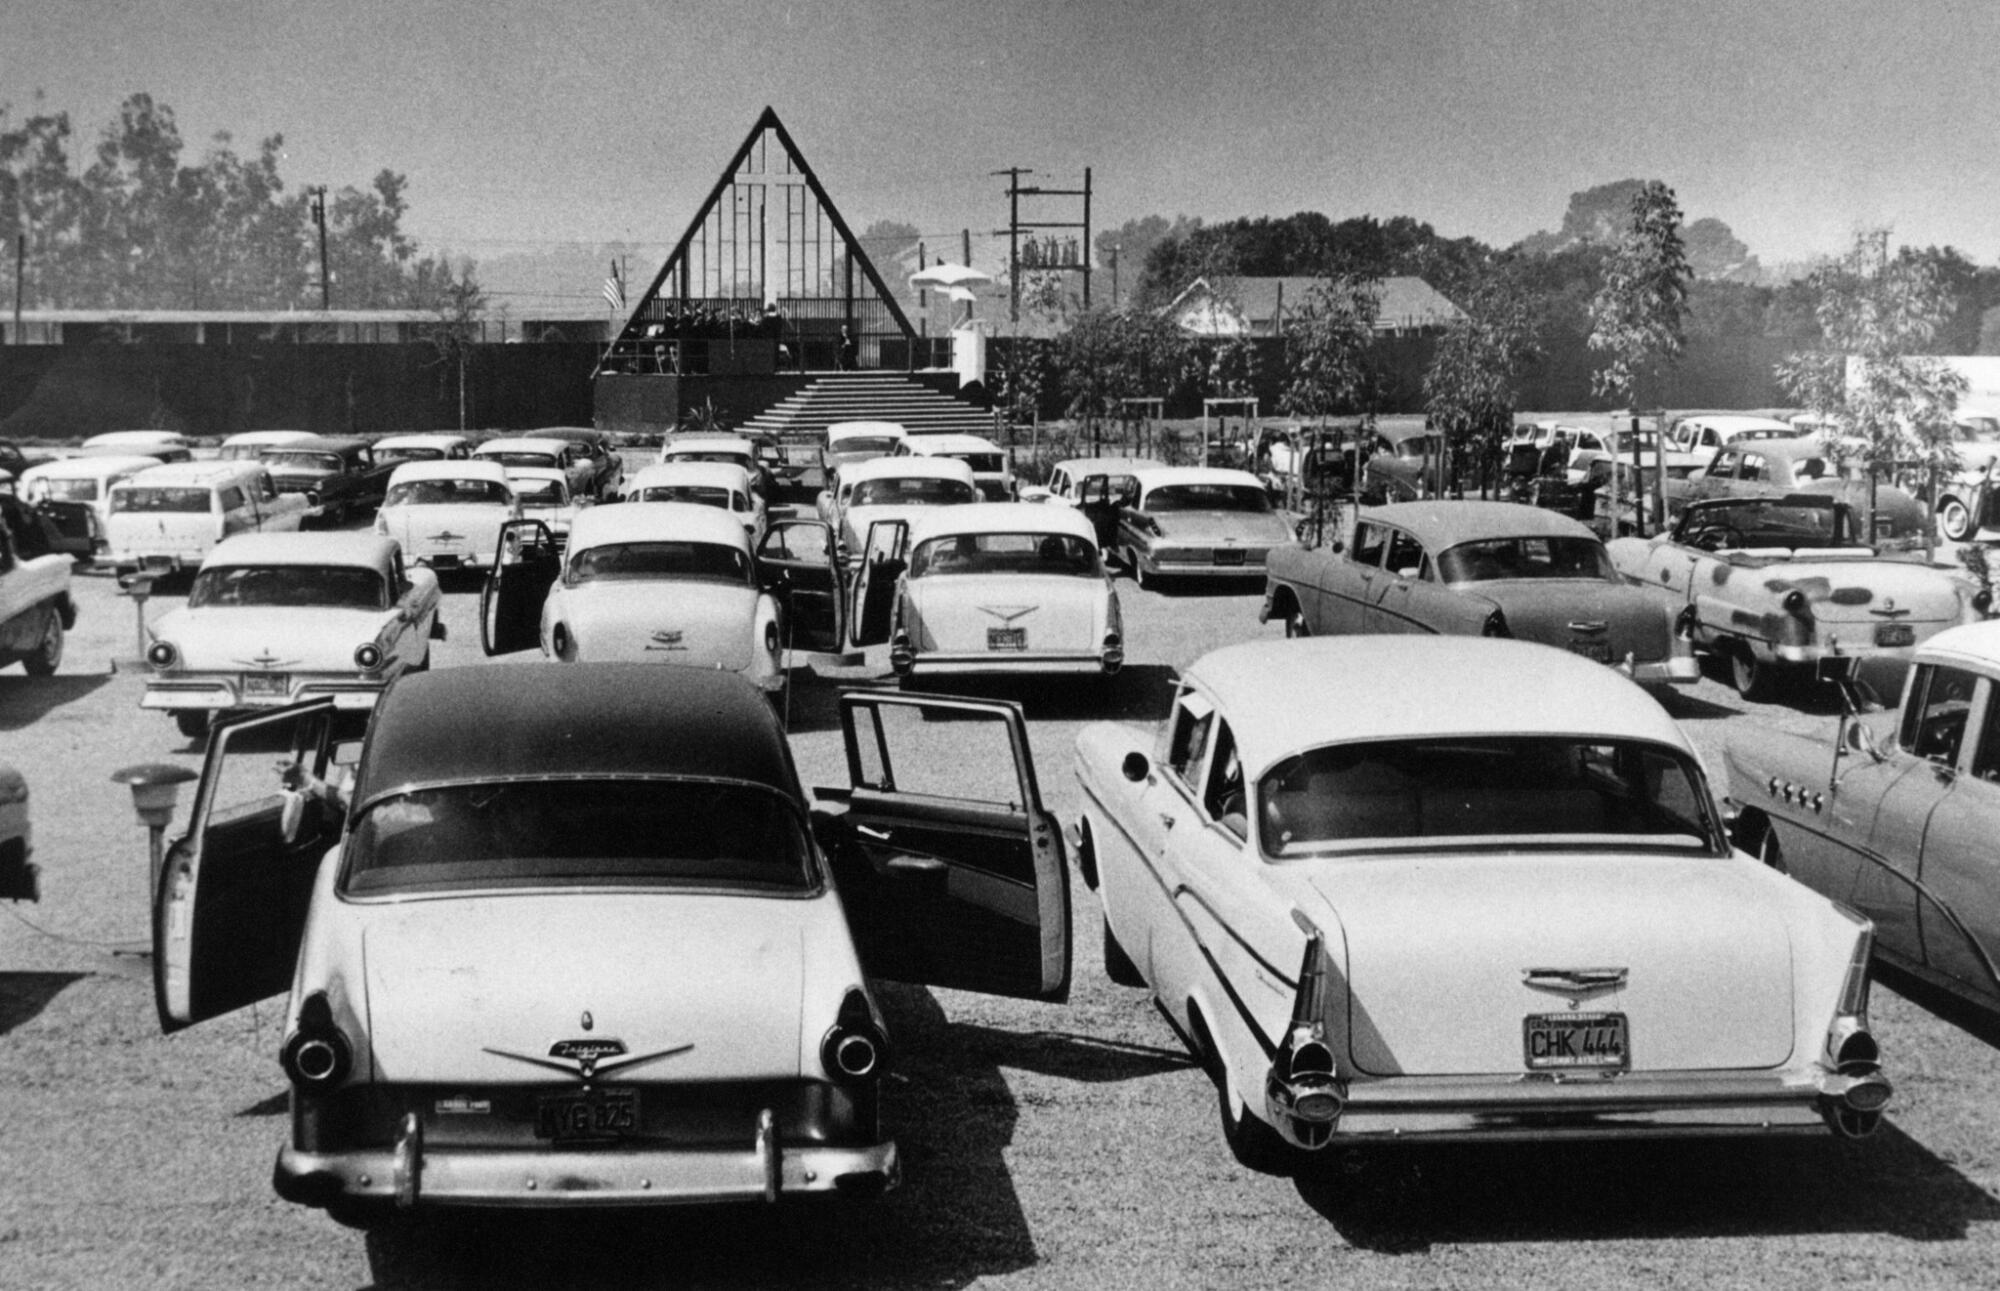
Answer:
(266, 661)
(1008, 613)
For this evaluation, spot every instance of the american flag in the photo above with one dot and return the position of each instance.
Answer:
(614, 290)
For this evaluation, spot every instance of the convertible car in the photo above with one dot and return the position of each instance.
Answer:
(1497, 906)
(1769, 468)
(1896, 818)
(1196, 521)
(573, 939)
(1776, 584)
(1491, 569)
(274, 618)
(993, 587)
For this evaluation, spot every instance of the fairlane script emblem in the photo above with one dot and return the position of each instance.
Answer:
(666, 639)
(447, 536)
(266, 661)
(588, 1057)
(1008, 613)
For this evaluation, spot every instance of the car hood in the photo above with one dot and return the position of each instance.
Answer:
(1057, 612)
(1437, 949)
(449, 980)
(303, 638)
(1566, 611)
(1222, 528)
(707, 625)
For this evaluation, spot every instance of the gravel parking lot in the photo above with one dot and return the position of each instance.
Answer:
(1044, 1145)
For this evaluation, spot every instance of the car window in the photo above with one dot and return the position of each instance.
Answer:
(232, 499)
(1222, 797)
(161, 498)
(1007, 553)
(706, 561)
(1754, 468)
(412, 493)
(797, 542)
(1935, 714)
(1529, 557)
(1059, 484)
(1193, 718)
(1406, 554)
(1986, 758)
(352, 587)
(1369, 540)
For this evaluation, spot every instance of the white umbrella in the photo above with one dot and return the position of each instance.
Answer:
(946, 274)
(960, 293)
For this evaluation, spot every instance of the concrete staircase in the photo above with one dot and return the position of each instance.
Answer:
(868, 396)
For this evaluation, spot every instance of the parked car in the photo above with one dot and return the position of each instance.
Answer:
(542, 493)
(765, 472)
(992, 466)
(1199, 521)
(580, 939)
(12, 460)
(252, 443)
(1777, 584)
(607, 466)
(1776, 467)
(169, 517)
(75, 493)
(1094, 486)
(850, 442)
(1491, 569)
(394, 450)
(1401, 465)
(578, 465)
(1703, 435)
(724, 485)
(992, 588)
(150, 442)
(1896, 817)
(447, 514)
(18, 874)
(277, 618)
(643, 582)
(338, 476)
(1968, 504)
(1512, 908)
(891, 488)
(36, 609)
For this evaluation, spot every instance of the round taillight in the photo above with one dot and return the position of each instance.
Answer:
(855, 1057)
(317, 1059)
(368, 657)
(1982, 600)
(1495, 625)
(162, 654)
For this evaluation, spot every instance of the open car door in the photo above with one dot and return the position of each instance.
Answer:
(1099, 502)
(950, 868)
(883, 559)
(525, 565)
(74, 527)
(798, 563)
(231, 905)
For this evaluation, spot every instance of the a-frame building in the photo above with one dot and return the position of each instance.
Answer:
(765, 279)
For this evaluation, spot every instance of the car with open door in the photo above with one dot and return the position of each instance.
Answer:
(1497, 905)
(578, 938)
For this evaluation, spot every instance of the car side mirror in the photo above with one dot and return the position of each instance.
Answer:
(1859, 739)
(1135, 766)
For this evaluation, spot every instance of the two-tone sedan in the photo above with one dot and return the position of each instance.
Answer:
(643, 582)
(1490, 569)
(1198, 521)
(723, 485)
(276, 618)
(573, 940)
(1896, 816)
(1773, 585)
(1496, 905)
(447, 514)
(991, 588)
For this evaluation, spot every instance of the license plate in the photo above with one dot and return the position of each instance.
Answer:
(1895, 634)
(1555, 1041)
(1006, 638)
(1226, 556)
(156, 562)
(1598, 650)
(267, 685)
(444, 560)
(596, 1114)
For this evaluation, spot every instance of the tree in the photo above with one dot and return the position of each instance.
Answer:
(1713, 251)
(1638, 315)
(1886, 402)
(1109, 355)
(1595, 215)
(458, 302)
(1469, 386)
(1129, 245)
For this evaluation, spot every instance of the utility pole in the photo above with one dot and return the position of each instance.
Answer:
(1114, 275)
(1013, 174)
(1014, 228)
(319, 217)
(20, 276)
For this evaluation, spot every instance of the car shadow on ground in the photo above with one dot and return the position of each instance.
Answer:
(1196, 585)
(25, 995)
(956, 1218)
(1682, 706)
(1969, 1018)
(1142, 692)
(1405, 1200)
(26, 700)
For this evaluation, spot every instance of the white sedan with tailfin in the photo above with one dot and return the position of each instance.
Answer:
(1496, 903)
(447, 514)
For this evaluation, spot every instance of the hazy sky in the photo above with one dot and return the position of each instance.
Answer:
(523, 123)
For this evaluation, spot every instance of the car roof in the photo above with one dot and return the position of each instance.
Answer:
(207, 471)
(269, 437)
(95, 468)
(656, 522)
(1735, 423)
(906, 468)
(521, 443)
(422, 440)
(1969, 643)
(1154, 477)
(925, 445)
(1786, 449)
(318, 548)
(467, 469)
(1348, 688)
(538, 473)
(324, 444)
(531, 720)
(845, 429)
(719, 474)
(1001, 517)
(137, 437)
(709, 444)
(1107, 465)
(1445, 523)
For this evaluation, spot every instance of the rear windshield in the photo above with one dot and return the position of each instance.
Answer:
(885, 445)
(580, 833)
(57, 489)
(708, 561)
(161, 499)
(419, 493)
(1761, 523)
(1007, 553)
(982, 463)
(1538, 557)
(1206, 497)
(712, 455)
(919, 491)
(278, 459)
(700, 495)
(539, 493)
(409, 454)
(1552, 791)
(348, 587)
(521, 459)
